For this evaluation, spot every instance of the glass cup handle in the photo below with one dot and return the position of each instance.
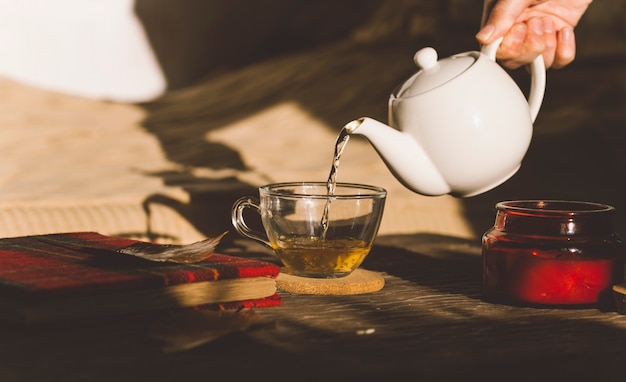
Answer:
(240, 224)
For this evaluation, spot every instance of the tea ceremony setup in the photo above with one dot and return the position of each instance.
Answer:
(307, 191)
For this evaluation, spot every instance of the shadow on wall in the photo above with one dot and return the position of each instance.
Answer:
(284, 51)
(339, 60)
(339, 86)
(195, 38)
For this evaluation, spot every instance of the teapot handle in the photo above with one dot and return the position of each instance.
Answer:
(537, 78)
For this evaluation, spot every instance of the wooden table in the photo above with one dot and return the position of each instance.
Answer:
(427, 323)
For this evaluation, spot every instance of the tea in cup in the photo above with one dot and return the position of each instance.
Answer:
(315, 231)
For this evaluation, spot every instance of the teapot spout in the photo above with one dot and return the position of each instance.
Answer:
(403, 156)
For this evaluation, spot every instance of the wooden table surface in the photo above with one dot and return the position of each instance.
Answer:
(427, 323)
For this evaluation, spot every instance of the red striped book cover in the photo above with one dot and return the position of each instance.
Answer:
(79, 274)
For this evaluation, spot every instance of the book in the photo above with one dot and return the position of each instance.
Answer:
(71, 275)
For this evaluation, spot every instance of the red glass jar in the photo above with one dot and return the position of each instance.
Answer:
(552, 252)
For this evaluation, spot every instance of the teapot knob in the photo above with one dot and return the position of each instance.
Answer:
(426, 58)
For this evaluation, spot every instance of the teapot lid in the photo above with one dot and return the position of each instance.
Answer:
(435, 73)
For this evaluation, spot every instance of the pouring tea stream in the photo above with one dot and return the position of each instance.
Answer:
(459, 126)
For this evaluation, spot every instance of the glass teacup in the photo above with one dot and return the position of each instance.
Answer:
(314, 233)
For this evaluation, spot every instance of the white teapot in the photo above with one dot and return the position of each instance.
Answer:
(459, 126)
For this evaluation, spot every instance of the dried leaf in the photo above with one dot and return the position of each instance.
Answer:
(189, 253)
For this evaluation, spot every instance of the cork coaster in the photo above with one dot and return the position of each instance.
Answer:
(358, 282)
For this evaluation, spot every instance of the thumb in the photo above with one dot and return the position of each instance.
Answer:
(499, 17)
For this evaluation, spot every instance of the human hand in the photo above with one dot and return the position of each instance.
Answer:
(530, 28)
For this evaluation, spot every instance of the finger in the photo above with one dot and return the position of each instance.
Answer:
(513, 42)
(565, 48)
(532, 46)
(501, 18)
(550, 41)
(512, 46)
